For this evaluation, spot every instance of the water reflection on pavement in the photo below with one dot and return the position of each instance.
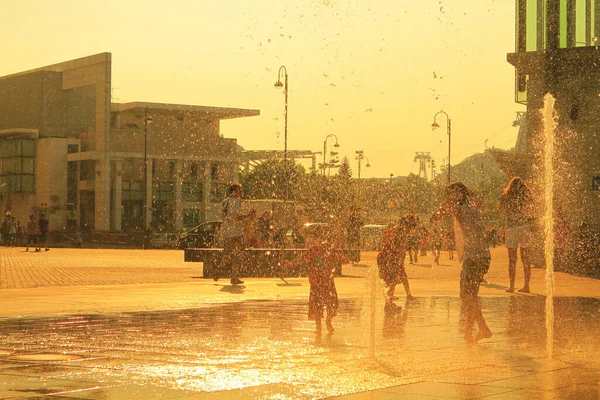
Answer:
(270, 350)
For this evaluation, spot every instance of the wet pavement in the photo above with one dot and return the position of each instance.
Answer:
(198, 339)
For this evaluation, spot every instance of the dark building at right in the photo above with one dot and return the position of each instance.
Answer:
(557, 53)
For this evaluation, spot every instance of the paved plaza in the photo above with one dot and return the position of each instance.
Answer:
(134, 324)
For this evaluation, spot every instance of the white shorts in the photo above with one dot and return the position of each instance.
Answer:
(517, 235)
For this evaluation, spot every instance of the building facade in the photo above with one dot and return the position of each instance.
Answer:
(90, 164)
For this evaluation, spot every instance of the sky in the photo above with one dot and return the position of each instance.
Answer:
(371, 72)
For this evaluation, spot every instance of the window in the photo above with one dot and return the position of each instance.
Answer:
(162, 191)
(191, 192)
(191, 217)
(133, 190)
(218, 191)
(17, 159)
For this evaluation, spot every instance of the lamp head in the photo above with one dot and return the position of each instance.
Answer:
(368, 165)
(278, 84)
(336, 144)
(435, 125)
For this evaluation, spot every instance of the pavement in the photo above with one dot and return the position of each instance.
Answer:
(135, 324)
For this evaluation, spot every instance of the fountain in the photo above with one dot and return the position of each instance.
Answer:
(549, 131)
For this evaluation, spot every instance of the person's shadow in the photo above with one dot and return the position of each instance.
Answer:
(233, 289)
(394, 322)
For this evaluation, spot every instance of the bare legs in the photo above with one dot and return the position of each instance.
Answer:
(526, 269)
(474, 316)
(512, 269)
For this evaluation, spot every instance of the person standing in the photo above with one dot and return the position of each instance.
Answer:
(390, 259)
(12, 232)
(517, 204)
(250, 230)
(20, 234)
(233, 232)
(32, 226)
(44, 228)
(264, 230)
(323, 258)
(461, 204)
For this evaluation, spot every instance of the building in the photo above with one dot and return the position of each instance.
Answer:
(90, 164)
(557, 53)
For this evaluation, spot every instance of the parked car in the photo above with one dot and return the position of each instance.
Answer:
(207, 234)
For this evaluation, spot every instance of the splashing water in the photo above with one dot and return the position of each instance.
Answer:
(373, 279)
(549, 131)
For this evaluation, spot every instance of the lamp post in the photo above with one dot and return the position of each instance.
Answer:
(278, 84)
(147, 120)
(360, 156)
(325, 149)
(449, 130)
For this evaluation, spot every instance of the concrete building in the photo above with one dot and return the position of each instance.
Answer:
(557, 53)
(67, 150)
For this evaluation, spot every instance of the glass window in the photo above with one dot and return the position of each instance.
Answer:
(28, 165)
(191, 192)
(28, 148)
(27, 183)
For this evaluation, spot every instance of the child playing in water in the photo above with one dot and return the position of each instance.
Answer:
(323, 258)
(391, 259)
(460, 203)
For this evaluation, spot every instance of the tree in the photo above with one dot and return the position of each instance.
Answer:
(270, 179)
(345, 172)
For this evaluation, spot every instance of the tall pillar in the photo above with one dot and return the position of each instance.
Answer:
(148, 195)
(117, 191)
(207, 181)
(177, 187)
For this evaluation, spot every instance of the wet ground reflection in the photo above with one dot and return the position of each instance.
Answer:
(271, 347)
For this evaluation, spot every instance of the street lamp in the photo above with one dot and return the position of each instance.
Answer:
(518, 118)
(360, 156)
(448, 127)
(278, 84)
(147, 120)
(325, 149)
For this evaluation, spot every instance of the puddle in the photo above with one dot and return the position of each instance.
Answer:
(44, 357)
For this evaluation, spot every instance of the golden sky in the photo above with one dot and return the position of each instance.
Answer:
(372, 72)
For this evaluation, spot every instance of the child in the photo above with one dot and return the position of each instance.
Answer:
(435, 237)
(390, 259)
(460, 203)
(323, 258)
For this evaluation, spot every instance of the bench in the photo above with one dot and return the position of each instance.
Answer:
(256, 263)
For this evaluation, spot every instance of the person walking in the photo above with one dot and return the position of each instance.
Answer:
(233, 232)
(32, 227)
(517, 204)
(461, 204)
(44, 228)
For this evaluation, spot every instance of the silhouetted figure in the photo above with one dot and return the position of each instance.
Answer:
(460, 203)
(233, 230)
(435, 237)
(322, 257)
(44, 230)
(517, 204)
(32, 227)
(390, 259)
(264, 230)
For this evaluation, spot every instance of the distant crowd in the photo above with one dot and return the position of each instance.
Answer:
(34, 234)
